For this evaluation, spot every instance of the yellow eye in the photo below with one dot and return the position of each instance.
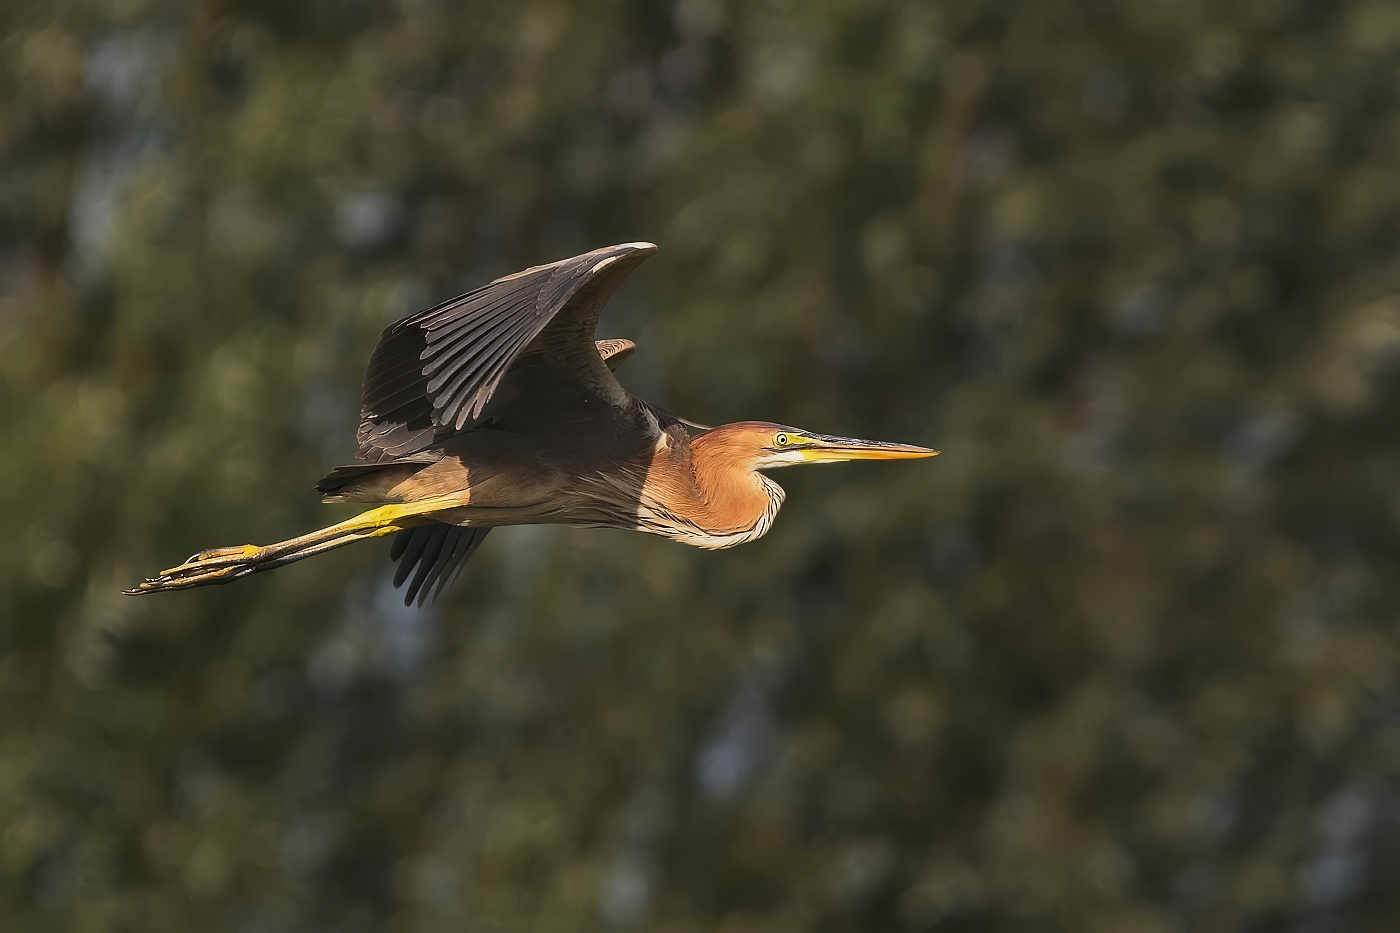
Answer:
(781, 440)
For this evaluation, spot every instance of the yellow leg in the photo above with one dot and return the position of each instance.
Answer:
(388, 517)
(225, 564)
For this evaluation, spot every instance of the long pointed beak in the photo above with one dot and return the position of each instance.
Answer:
(820, 448)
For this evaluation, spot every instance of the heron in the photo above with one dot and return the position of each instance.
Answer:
(500, 407)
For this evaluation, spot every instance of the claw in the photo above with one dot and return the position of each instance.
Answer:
(194, 576)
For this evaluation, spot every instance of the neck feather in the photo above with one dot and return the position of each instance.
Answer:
(727, 502)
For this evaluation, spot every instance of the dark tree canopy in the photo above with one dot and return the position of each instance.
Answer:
(1123, 659)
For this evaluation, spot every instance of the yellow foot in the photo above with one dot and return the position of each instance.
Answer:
(216, 557)
(180, 581)
(238, 550)
(216, 565)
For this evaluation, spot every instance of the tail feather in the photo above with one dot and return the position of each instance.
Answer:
(366, 482)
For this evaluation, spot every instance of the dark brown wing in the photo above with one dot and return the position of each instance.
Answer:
(434, 554)
(433, 373)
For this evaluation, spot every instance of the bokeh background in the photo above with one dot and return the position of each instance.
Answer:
(1122, 659)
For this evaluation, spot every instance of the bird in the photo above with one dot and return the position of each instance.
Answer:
(501, 407)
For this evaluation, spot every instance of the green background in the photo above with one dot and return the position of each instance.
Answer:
(1122, 659)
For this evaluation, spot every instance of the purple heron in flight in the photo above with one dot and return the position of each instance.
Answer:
(500, 408)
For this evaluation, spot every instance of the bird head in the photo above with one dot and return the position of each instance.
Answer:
(765, 446)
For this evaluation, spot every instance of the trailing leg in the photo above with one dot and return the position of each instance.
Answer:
(226, 564)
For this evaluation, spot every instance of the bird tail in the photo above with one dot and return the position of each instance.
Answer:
(366, 482)
(226, 564)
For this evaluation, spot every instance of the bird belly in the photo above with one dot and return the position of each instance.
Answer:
(542, 496)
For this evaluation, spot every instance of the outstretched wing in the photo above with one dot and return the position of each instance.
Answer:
(433, 373)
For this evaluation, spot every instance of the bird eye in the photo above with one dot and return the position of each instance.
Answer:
(781, 440)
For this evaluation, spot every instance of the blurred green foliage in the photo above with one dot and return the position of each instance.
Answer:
(1123, 659)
